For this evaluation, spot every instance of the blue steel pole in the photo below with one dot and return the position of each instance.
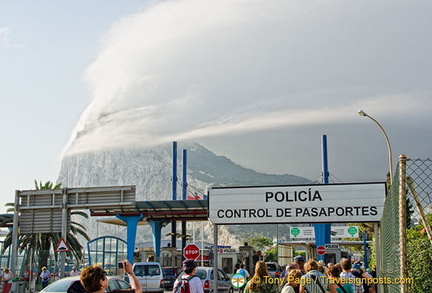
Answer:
(174, 194)
(322, 231)
(184, 184)
(174, 174)
(325, 179)
(184, 193)
(366, 261)
(132, 224)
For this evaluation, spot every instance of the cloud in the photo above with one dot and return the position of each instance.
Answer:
(4, 37)
(6, 41)
(198, 68)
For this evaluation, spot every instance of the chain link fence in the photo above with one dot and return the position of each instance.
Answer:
(405, 237)
(389, 262)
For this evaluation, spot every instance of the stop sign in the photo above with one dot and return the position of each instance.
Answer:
(191, 251)
(321, 250)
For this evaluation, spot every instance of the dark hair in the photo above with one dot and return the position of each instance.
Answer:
(188, 271)
(345, 264)
(334, 270)
(91, 276)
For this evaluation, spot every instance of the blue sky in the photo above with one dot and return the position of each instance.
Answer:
(45, 47)
(257, 83)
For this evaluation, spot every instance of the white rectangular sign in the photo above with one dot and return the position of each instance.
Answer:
(331, 246)
(302, 232)
(320, 203)
(345, 232)
(337, 232)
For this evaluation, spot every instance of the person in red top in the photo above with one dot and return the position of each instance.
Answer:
(27, 276)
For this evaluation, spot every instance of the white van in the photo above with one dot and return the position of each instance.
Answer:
(150, 276)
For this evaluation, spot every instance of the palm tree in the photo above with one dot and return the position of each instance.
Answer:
(39, 244)
(47, 185)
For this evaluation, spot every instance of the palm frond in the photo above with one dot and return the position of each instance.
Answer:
(76, 224)
(81, 232)
(80, 213)
(11, 206)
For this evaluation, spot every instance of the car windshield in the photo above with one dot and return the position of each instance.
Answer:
(146, 270)
(168, 271)
(59, 286)
(202, 274)
(271, 267)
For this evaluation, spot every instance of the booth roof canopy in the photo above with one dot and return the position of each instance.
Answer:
(162, 210)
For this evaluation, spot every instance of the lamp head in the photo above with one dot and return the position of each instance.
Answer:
(362, 113)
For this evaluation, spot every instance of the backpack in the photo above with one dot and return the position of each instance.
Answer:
(183, 285)
(242, 271)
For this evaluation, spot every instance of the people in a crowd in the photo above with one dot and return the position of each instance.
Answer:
(94, 280)
(74, 272)
(334, 271)
(260, 280)
(45, 276)
(292, 282)
(28, 276)
(361, 274)
(299, 259)
(195, 283)
(348, 277)
(321, 267)
(242, 270)
(314, 281)
(288, 268)
(7, 277)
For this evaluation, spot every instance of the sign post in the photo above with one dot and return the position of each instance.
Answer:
(191, 251)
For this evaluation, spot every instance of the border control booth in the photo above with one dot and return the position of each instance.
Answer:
(32, 207)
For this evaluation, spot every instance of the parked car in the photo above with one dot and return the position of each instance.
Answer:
(150, 276)
(206, 276)
(169, 276)
(273, 269)
(62, 285)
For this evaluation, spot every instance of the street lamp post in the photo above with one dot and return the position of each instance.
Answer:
(362, 113)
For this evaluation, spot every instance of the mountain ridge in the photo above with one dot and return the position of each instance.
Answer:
(150, 170)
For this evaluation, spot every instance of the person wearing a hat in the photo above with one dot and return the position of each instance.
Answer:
(74, 272)
(45, 276)
(301, 262)
(195, 283)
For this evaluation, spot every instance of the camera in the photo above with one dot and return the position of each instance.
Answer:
(120, 264)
